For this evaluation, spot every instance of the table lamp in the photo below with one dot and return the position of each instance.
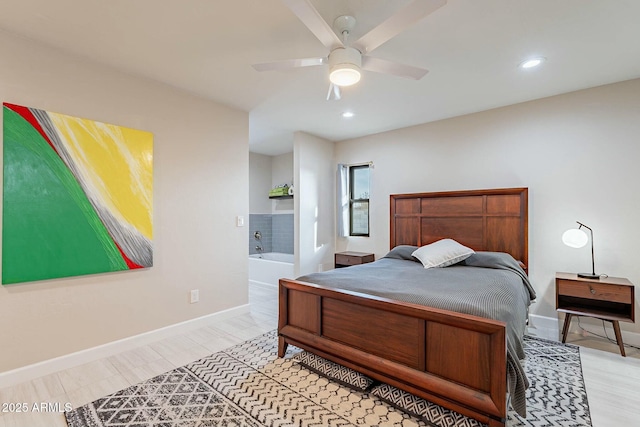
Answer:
(577, 238)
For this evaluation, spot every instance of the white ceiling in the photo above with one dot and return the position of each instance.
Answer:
(471, 47)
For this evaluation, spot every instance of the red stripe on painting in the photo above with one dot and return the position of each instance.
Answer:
(26, 114)
(132, 265)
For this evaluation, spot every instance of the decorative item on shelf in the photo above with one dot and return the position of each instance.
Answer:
(280, 192)
(577, 238)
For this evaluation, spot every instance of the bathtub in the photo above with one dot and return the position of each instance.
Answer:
(268, 268)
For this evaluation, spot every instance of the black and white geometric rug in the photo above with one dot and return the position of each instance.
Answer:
(248, 385)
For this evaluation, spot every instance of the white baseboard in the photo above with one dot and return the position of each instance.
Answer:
(264, 284)
(543, 327)
(36, 370)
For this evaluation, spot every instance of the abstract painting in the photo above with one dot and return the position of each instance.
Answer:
(77, 196)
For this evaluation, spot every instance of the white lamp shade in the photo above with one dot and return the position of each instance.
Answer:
(575, 238)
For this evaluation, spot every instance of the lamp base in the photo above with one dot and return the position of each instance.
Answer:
(589, 276)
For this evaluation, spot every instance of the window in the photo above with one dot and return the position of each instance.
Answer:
(359, 200)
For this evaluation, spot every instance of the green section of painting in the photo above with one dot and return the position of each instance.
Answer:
(49, 227)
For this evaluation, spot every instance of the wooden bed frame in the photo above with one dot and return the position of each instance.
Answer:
(455, 360)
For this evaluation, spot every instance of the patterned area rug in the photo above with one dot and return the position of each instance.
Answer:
(248, 385)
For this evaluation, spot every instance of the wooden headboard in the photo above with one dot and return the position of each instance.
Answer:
(484, 220)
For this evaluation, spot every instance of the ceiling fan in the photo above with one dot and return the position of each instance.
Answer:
(347, 60)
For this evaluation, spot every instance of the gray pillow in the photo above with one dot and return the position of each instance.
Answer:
(491, 260)
(403, 252)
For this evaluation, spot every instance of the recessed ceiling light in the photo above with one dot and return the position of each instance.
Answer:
(532, 63)
(347, 114)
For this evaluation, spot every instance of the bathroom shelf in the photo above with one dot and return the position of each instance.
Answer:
(281, 197)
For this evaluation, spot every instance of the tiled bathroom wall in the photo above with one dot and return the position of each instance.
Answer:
(276, 230)
(282, 233)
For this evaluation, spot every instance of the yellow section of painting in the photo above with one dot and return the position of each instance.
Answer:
(116, 164)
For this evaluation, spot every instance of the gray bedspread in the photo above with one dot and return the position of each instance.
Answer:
(487, 284)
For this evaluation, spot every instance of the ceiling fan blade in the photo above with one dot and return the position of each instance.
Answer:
(289, 63)
(405, 17)
(334, 93)
(388, 67)
(310, 17)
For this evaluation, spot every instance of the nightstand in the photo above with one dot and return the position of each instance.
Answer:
(611, 299)
(346, 259)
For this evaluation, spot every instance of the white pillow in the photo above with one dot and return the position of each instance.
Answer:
(442, 253)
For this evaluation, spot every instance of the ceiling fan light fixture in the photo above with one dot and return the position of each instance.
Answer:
(344, 66)
(345, 75)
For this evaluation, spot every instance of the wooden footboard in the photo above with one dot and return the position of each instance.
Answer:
(455, 360)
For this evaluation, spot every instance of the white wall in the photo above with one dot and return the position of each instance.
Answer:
(282, 169)
(200, 149)
(578, 153)
(265, 172)
(260, 167)
(314, 203)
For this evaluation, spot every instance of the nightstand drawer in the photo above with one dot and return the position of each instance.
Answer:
(348, 260)
(596, 291)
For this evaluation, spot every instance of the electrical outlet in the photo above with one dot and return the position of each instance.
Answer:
(195, 296)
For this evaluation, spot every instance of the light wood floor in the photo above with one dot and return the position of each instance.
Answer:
(613, 382)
